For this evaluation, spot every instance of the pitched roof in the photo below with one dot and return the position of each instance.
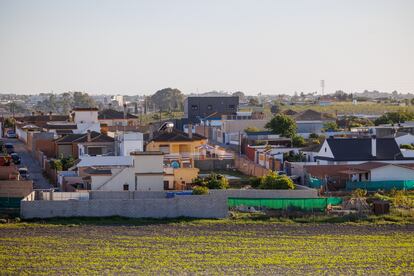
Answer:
(81, 138)
(312, 115)
(359, 149)
(312, 148)
(110, 114)
(176, 136)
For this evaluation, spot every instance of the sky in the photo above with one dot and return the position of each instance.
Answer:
(266, 46)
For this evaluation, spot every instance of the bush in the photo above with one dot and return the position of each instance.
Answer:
(213, 181)
(359, 193)
(313, 136)
(298, 141)
(200, 190)
(255, 182)
(273, 181)
(56, 164)
(407, 146)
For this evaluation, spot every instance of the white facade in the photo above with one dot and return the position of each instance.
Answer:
(392, 172)
(325, 150)
(146, 174)
(129, 142)
(86, 116)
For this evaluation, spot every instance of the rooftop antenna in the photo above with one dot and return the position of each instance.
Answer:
(323, 86)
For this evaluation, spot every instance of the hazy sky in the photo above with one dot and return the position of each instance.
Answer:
(254, 46)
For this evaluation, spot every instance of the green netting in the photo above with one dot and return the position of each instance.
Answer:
(10, 202)
(315, 182)
(381, 185)
(285, 203)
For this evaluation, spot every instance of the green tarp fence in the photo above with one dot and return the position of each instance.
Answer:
(305, 204)
(381, 185)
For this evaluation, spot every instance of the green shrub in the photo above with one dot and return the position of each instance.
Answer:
(255, 182)
(212, 181)
(407, 146)
(273, 181)
(200, 190)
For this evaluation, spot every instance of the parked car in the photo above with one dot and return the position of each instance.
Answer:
(16, 158)
(9, 148)
(24, 173)
(11, 134)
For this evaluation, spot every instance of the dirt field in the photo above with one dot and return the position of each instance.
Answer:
(205, 247)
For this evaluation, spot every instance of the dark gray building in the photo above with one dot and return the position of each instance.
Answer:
(196, 108)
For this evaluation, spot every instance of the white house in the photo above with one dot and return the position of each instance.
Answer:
(86, 119)
(359, 150)
(392, 172)
(129, 142)
(141, 171)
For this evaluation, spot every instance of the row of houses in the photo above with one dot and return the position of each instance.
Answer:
(120, 159)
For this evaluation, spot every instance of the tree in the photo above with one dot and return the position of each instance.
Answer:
(253, 101)
(330, 126)
(273, 181)
(212, 181)
(241, 96)
(168, 99)
(283, 125)
(67, 162)
(9, 122)
(82, 100)
(298, 141)
(394, 117)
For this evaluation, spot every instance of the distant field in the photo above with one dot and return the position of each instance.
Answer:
(207, 247)
(349, 108)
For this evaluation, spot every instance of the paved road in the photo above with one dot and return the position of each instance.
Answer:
(35, 171)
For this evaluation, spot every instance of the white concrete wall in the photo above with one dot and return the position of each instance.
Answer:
(130, 142)
(22, 134)
(87, 116)
(391, 172)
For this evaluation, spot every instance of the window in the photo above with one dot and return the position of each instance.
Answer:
(166, 184)
(325, 149)
(126, 187)
(231, 106)
(210, 107)
(93, 151)
(165, 149)
(194, 107)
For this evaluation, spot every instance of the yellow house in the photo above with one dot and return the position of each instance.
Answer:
(179, 150)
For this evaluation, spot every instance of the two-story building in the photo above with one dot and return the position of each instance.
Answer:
(180, 149)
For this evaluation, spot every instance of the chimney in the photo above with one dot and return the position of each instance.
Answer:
(50, 116)
(190, 131)
(374, 145)
(125, 111)
(88, 136)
